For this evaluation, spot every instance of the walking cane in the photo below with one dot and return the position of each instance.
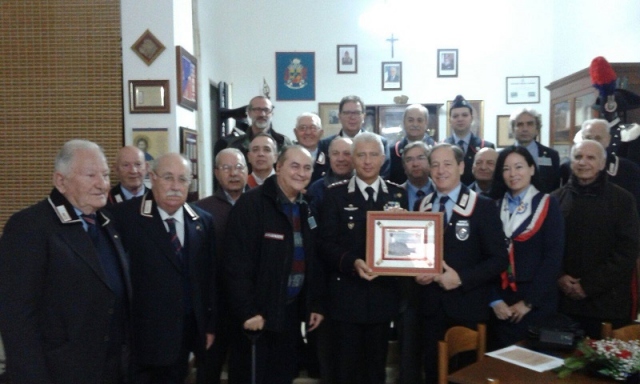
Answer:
(253, 337)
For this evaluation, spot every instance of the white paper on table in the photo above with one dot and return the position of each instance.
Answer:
(527, 358)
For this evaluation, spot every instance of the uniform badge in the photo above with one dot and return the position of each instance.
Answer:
(350, 225)
(462, 230)
(63, 214)
(312, 222)
(147, 207)
(118, 199)
(321, 158)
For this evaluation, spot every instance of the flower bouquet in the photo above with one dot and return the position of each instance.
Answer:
(612, 358)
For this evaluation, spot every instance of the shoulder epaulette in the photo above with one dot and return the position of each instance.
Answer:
(337, 183)
(394, 184)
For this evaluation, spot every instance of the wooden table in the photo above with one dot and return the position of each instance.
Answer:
(507, 373)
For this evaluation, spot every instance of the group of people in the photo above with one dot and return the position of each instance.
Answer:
(123, 284)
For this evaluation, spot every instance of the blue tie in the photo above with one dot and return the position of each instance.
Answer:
(443, 201)
(175, 241)
(461, 145)
(92, 229)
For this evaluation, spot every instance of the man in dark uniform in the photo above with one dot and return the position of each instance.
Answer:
(461, 118)
(64, 280)
(525, 125)
(414, 124)
(131, 169)
(361, 306)
(475, 254)
(171, 245)
(260, 113)
(308, 132)
(231, 174)
(351, 113)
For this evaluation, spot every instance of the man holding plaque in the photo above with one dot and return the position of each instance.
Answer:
(360, 305)
(475, 254)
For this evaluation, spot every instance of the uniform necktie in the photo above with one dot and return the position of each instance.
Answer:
(92, 228)
(420, 194)
(175, 241)
(443, 201)
(370, 199)
(461, 144)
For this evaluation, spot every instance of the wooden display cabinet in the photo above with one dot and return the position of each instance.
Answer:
(572, 98)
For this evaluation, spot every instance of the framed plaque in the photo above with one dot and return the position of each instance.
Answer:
(404, 243)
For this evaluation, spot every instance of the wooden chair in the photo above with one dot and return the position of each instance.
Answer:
(456, 340)
(626, 333)
(492, 381)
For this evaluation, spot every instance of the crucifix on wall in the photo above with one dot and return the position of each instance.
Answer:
(392, 40)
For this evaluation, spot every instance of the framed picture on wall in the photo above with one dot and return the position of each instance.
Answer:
(148, 47)
(523, 90)
(187, 76)
(391, 75)
(189, 149)
(295, 76)
(149, 96)
(330, 118)
(447, 63)
(152, 141)
(505, 134)
(347, 58)
(477, 125)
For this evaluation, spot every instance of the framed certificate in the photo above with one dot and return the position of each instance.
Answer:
(404, 243)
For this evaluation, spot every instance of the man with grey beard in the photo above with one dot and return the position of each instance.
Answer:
(260, 112)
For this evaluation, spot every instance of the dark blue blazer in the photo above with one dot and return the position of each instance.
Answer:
(475, 144)
(157, 273)
(479, 256)
(55, 301)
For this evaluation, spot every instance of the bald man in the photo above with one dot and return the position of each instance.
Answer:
(131, 169)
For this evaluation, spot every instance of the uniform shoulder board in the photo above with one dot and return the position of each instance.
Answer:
(337, 183)
(394, 184)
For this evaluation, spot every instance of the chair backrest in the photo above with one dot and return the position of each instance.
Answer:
(492, 381)
(626, 333)
(460, 339)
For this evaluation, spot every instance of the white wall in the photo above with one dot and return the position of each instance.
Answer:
(493, 43)
(235, 41)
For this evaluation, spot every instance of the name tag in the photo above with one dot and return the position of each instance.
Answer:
(544, 161)
(275, 236)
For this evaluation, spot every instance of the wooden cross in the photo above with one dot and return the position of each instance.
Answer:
(392, 40)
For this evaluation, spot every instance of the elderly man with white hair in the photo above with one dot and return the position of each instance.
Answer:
(308, 133)
(601, 240)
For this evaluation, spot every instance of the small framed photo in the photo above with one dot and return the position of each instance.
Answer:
(347, 58)
(187, 74)
(189, 149)
(404, 243)
(148, 47)
(505, 134)
(523, 90)
(390, 118)
(447, 63)
(149, 96)
(391, 75)
(330, 117)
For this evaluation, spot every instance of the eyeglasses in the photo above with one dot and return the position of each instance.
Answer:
(170, 179)
(304, 128)
(417, 158)
(228, 168)
(262, 110)
(351, 113)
